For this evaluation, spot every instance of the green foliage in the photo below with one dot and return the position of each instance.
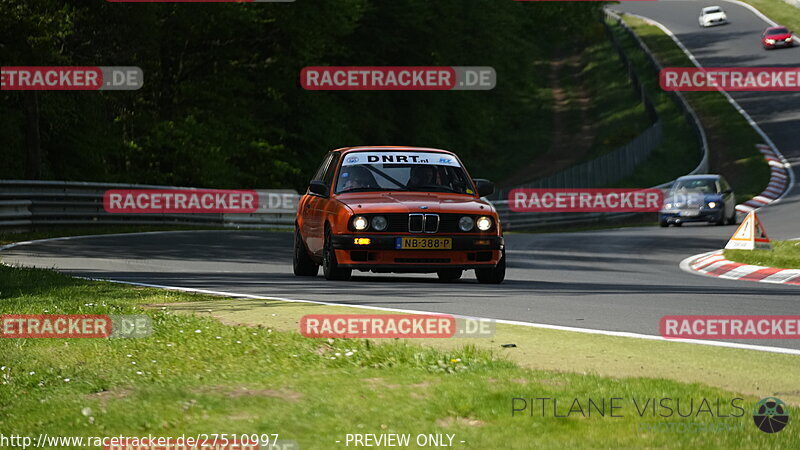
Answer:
(221, 104)
(784, 254)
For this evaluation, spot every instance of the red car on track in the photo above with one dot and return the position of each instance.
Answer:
(397, 209)
(777, 37)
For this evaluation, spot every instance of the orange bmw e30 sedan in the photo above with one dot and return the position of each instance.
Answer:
(397, 209)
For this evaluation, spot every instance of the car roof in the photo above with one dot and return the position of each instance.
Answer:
(711, 7)
(779, 27)
(390, 148)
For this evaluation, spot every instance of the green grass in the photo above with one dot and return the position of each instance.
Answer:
(197, 375)
(784, 254)
(779, 11)
(679, 151)
(597, 112)
(570, 83)
(732, 141)
(617, 114)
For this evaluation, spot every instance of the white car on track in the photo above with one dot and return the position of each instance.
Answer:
(712, 15)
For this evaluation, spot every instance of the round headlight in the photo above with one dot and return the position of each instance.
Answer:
(712, 205)
(484, 223)
(360, 223)
(466, 223)
(379, 223)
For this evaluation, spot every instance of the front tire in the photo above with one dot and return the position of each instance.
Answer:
(495, 275)
(330, 267)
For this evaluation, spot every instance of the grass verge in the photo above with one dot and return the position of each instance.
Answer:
(784, 254)
(205, 372)
(732, 141)
(617, 114)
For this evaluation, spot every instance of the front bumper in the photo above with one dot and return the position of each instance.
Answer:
(710, 23)
(381, 255)
(703, 215)
(779, 44)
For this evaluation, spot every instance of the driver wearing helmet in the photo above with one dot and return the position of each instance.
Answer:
(422, 175)
(357, 177)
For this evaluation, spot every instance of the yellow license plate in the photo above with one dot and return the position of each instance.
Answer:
(420, 243)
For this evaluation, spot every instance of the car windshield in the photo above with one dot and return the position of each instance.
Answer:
(777, 31)
(402, 171)
(706, 186)
(711, 10)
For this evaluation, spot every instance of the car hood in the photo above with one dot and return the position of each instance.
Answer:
(716, 15)
(778, 37)
(691, 199)
(405, 202)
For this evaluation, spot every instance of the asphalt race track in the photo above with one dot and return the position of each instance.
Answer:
(615, 280)
(737, 45)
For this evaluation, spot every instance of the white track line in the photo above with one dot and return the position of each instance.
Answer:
(736, 345)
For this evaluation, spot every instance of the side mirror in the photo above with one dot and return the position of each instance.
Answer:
(318, 187)
(727, 191)
(485, 187)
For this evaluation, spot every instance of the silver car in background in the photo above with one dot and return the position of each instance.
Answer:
(712, 15)
(699, 198)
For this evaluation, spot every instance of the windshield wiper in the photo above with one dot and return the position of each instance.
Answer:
(386, 176)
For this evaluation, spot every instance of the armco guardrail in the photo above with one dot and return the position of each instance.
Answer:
(605, 169)
(15, 212)
(582, 176)
(25, 204)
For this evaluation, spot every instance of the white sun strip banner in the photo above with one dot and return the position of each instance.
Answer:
(422, 158)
